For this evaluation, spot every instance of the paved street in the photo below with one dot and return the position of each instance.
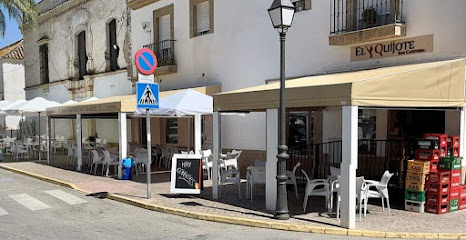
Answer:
(32, 209)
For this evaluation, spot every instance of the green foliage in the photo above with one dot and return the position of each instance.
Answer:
(23, 11)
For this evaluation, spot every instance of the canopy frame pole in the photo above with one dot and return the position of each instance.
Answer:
(49, 140)
(189, 133)
(349, 165)
(79, 144)
(197, 133)
(217, 151)
(149, 154)
(462, 135)
(123, 140)
(271, 163)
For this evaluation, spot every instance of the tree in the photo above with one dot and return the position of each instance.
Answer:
(23, 11)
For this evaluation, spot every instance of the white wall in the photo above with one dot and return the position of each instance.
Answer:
(243, 51)
(112, 85)
(13, 79)
(331, 124)
(108, 129)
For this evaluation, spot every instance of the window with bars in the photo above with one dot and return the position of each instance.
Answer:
(44, 63)
(203, 18)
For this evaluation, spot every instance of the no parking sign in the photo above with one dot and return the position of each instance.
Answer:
(146, 61)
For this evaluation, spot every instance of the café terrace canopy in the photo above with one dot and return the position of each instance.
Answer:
(115, 104)
(434, 84)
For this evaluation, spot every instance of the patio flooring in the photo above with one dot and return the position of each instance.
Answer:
(231, 205)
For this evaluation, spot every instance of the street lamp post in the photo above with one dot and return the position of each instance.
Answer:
(281, 13)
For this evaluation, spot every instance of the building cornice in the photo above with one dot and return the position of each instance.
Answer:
(55, 12)
(137, 4)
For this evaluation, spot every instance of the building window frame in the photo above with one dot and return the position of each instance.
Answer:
(193, 17)
(301, 5)
(113, 50)
(81, 52)
(44, 63)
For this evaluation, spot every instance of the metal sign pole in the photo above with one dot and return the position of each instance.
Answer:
(149, 154)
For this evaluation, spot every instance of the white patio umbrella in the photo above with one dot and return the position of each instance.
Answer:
(91, 99)
(69, 102)
(10, 122)
(32, 107)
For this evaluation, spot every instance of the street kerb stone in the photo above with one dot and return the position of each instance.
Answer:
(300, 228)
(336, 231)
(353, 232)
(449, 236)
(412, 235)
(281, 226)
(377, 234)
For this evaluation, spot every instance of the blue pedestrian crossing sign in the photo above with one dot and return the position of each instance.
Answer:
(147, 95)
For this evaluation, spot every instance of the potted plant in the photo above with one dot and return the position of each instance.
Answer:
(369, 16)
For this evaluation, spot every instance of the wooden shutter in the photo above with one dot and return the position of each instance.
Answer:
(203, 18)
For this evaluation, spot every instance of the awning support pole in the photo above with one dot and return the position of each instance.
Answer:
(349, 165)
(189, 134)
(49, 141)
(217, 150)
(79, 142)
(462, 135)
(123, 140)
(197, 134)
(271, 163)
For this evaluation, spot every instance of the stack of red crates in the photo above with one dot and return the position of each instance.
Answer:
(462, 197)
(438, 183)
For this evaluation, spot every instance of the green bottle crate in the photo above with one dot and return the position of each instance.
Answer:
(454, 205)
(414, 195)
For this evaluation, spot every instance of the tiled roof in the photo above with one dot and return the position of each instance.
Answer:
(13, 51)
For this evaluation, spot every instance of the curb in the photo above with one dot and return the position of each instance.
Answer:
(250, 222)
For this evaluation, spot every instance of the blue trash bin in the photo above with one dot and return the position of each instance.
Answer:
(127, 166)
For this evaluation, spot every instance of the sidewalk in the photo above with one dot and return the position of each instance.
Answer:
(232, 209)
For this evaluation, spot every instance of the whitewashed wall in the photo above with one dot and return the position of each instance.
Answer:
(244, 50)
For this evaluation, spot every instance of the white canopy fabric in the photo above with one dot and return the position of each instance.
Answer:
(185, 103)
(31, 107)
(9, 105)
(91, 99)
(69, 102)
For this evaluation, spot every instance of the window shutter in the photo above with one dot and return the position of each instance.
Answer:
(164, 28)
(203, 18)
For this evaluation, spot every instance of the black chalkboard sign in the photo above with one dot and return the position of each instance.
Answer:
(186, 174)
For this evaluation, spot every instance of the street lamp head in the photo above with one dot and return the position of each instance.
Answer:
(281, 13)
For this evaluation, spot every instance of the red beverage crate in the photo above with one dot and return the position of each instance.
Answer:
(462, 191)
(439, 177)
(437, 209)
(453, 141)
(434, 165)
(427, 155)
(442, 138)
(455, 179)
(454, 193)
(440, 188)
(462, 203)
(453, 151)
(437, 198)
(444, 151)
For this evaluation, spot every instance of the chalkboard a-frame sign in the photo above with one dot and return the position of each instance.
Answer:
(186, 174)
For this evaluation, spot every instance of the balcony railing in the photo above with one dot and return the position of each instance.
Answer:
(354, 15)
(165, 52)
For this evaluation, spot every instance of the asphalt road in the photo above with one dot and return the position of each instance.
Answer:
(32, 209)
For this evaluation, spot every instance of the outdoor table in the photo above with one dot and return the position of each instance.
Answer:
(31, 146)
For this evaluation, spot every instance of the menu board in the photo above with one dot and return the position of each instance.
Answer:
(186, 174)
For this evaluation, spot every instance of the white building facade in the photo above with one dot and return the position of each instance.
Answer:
(233, 43)
(80, 49)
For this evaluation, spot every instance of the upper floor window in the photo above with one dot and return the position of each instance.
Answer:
(44, 63)
(82, 55)
(114, 50)
(202, 18)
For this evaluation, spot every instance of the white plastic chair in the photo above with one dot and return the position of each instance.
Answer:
(140, 160)
(292, 178)
(109, 160)
(361, 192)
(256, 176)
(232, 160)
(231, 176)
(207, 162)
(382, 190)
(96, 160)
(165, 158)
(71, 154)
(316, 187)
(19, 151)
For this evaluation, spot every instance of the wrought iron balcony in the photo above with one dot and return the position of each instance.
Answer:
(353, 15)
(165, 52)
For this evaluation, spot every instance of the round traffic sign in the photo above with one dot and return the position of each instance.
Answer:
(146, 61)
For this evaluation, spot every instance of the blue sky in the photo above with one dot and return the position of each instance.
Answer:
(12, 32)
